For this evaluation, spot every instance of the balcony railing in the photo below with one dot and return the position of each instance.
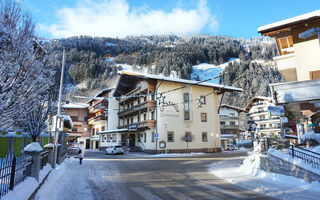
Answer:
(285, 62)
(101, 105)
(224, 126)
(228, 117)
(148, 124)
(95, 119)
(150, 104)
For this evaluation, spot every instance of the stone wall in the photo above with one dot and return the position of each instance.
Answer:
(276, 165)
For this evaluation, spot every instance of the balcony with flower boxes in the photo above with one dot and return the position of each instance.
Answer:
(134, 110)
(139, 126)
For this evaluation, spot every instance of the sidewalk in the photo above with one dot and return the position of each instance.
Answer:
(245, 172)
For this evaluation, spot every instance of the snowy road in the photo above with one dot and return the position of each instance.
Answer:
(136, 176)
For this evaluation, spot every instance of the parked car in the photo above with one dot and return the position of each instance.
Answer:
(231, 147)
(114, 149)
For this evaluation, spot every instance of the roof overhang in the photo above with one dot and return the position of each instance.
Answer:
(285, 25)
(128, 79)
(298, 91)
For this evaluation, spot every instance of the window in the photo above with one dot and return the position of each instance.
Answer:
(131, 120)
(74, 129)
(285, 45)
(93, 131)
(203, 117)
(152, 137)
(223, 123)
(144, 98)
(314, 75)
(74, 118)
(109, 138)
(232, 123)
(203, 99)
(128, 121)
(170, 137)
(232, 114)
(144, 117)
(114, 137)
(204, 137)
(138, 118)
(186, 115)
(85, 119)
(145, 137)
(103, 128)
(152, 115)
(186, 97)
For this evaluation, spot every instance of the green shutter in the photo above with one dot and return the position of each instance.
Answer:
(45, 141)
(17, 146)
(3, 146)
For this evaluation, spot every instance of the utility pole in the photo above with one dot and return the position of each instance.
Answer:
(58, 116)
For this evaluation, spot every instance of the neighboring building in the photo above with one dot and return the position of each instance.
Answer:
(170, 108)
(298, 44)
(78, 113)
(229, 124)
(98, 116)
(257, 109)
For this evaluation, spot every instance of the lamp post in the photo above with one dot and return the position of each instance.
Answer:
(58, 116)
(166, 135)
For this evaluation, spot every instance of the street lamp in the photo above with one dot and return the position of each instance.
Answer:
(166, 135)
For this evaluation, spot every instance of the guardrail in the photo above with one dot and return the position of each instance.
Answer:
(310, 157)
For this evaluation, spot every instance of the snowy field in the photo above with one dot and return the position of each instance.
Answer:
(245, 172)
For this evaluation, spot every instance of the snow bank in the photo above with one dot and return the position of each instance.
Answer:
(50, 145)
(315, 149)
(24, 190)
(33, 147)
(311, 135)
(45, 192)
(248, 175)
(296, 161)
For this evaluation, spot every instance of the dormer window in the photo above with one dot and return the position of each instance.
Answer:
(285, 45)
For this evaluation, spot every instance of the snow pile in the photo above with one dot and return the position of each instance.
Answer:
(45, 135)
(315, 149)
(311, 135)
(45, 192)
(24, 190)
(49, 146)
(163, 155)
(296, 161)
(248, 175)
(33, 147)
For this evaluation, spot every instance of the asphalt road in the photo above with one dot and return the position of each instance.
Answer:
(135, 176)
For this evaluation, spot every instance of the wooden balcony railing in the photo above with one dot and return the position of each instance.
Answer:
(95, 119)
(148, 124)
(150, 104)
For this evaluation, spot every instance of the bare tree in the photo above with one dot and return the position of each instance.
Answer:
(25, 72)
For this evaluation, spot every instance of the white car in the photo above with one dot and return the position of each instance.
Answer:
(114, 149)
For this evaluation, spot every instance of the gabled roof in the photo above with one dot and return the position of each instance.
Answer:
(177, 80)
(254, 99)
(232, 107)
(289, 22)
(99, 94)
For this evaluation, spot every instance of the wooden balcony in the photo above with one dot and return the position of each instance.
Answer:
(101, 105)
(96, 119)
(147, 105)
(140, 126)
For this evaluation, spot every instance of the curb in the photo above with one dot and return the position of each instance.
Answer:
(39, 186)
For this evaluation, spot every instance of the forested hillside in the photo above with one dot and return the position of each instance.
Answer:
(92, 62)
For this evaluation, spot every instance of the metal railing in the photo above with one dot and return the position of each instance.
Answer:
(13, 171)
(310, 157)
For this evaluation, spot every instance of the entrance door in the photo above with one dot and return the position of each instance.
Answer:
(87, 143)
(97, 145)
(132, 140)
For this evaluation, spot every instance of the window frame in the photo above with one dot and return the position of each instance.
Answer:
(205, 119)
(172, 138)
(206, 136)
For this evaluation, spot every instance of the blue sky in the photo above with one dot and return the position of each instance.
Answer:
(119, 18)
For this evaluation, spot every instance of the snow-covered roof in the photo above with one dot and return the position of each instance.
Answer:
(101, 93)
(289, 22)
(233, 107)
(75, 105)
(178, 80)
(254, 99)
